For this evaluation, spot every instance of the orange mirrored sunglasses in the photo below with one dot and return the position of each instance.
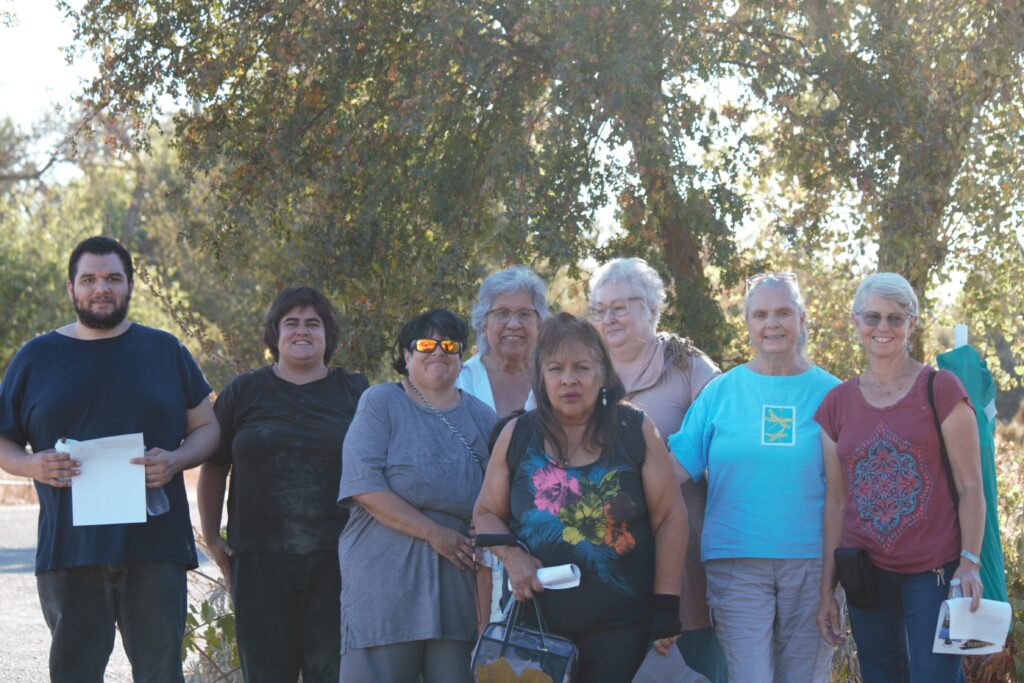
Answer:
(449, 346)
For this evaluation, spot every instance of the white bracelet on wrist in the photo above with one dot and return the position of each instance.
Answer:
(970, 557)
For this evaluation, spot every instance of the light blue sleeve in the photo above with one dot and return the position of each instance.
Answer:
(690, 444)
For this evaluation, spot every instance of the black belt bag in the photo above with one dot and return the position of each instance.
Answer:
(857, 575)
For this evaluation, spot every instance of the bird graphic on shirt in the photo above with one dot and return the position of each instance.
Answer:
(784, 424)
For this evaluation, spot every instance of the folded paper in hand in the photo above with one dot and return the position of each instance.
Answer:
(557, 578)
(962, 632)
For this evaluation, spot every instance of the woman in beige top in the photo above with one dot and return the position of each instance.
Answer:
(662, 373)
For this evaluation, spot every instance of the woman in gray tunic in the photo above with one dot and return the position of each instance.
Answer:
(412, 466)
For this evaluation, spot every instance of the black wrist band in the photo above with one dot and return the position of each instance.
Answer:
(665, 617)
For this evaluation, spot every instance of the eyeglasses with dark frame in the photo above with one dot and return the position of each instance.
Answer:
(448, 346)
(874, 319)
(619, 309)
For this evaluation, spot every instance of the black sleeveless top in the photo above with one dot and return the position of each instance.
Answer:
(593, 516)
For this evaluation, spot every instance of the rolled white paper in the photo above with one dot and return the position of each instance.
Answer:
(557, 578)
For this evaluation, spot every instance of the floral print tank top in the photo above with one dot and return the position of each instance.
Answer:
(593, 516)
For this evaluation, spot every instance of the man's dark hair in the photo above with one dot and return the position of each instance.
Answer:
(440, 321)
(101, 246)
(289, 298)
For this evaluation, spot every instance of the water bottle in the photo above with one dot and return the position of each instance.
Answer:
(157, 502)
(955, 591)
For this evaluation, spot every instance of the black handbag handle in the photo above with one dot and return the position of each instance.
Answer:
(513, 622)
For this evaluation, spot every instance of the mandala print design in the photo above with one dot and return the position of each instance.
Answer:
(891, 486)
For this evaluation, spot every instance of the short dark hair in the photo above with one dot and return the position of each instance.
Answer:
(287, 299)
(101, 246)
(439, 320)
(602, 426)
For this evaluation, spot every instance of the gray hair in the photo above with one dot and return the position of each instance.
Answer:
(795, 297)
(508, 281)
(636, 272)
(892, 286)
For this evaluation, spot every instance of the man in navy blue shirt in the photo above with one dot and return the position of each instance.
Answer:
(99, 376)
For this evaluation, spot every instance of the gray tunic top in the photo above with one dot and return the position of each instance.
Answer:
(395, 588)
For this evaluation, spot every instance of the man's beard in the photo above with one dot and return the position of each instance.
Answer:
(103, 321)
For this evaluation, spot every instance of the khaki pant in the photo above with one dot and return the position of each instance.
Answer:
(764, 616)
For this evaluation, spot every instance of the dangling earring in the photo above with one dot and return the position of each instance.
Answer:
(604, 396)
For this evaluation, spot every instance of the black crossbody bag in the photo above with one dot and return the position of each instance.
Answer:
(853, 565)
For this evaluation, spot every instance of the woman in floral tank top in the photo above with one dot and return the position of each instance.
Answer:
(584, 479)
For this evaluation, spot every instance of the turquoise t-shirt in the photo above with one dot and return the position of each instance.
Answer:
(756, 438)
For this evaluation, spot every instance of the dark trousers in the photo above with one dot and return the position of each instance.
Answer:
(146, 601)
(611, 655)
(894, 640)
(287, 616)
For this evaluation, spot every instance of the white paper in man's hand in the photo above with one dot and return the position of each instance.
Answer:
(110, 489)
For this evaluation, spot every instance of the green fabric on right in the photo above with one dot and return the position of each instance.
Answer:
(968, 366)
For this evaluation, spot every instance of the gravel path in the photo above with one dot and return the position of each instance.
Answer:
(24, 637)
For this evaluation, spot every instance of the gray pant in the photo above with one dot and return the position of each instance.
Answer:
(146, 600)
(764, 616)
(440, 661)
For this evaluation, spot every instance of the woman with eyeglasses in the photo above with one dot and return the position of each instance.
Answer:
(584, 479)
(891, 490)
(751, 434)
(413, 463)
(663, 374)
(282, 427)
(510, 306)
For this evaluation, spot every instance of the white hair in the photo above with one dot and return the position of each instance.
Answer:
(892, 286)
(639, 274)
(507, 281)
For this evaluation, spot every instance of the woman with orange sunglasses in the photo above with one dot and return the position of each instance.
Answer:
(412, 466)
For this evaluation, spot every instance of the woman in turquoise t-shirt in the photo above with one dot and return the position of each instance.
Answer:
(752, 433)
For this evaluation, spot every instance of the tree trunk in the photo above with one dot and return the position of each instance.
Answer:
(668, 216)
(910, 242)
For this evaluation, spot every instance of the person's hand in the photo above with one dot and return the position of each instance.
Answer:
(522, 568)
(662, 645)
(970, 582)
(454, 547)
(221, 553)
(828, 618)
(54, 469)
(161, 466)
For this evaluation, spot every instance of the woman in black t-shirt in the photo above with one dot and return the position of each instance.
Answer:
(585, 479)
(282, 429)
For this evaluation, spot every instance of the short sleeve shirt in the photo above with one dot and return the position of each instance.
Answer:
(283, 442)
(755, 438)
(898, 504)
(143, 380)
(396, 587)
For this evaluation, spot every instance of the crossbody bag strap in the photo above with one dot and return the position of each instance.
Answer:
(942, 441)
(453, 428)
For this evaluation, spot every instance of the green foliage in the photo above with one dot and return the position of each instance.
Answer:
(209, 648)
(897, 121)
(378, 140)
